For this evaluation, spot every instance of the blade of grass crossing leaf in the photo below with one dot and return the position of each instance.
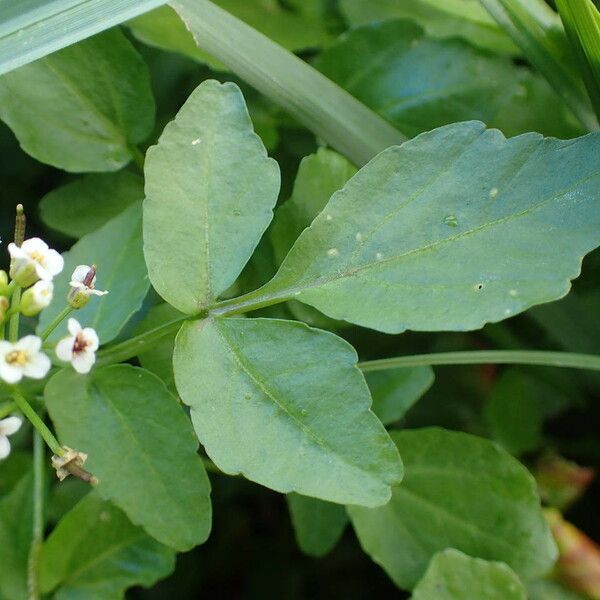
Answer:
(322, 106)
(33, 30)
(536, 29)
(582, 24)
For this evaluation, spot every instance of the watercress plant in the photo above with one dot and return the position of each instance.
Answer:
(200, 324)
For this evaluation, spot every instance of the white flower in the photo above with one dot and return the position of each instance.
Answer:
(79, 348)
(36, 298)
(33, 261)
(84, 279)
(23, 359)
(8, 426)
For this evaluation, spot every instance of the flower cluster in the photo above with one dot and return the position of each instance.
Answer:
(27, 290)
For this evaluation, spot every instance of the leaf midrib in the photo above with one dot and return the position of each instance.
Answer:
(255, 378)
(319, 282)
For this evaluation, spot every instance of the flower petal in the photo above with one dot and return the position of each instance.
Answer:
(30, 344)
(80, 273)
(4, 447)
(98, 292)
(37, 367)
(53, 262)
(9, 373)
(83, 361)
(64, 348)
(91, 337)
(10, 425)
(73, 326)
(41, 272)
(5, 348)
(16, 252)
(34, 245)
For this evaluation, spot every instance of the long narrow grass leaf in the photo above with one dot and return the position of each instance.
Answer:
(321, 105)
(537, 30)
(30, 29)
(582, 24)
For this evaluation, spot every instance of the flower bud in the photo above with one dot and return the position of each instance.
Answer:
(82, 286)
(77, 298)
(36, 298)
(4, 304)
(32, 261)
(3, 283)
(23, 272)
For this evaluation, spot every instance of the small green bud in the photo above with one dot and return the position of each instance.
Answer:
(36, 298)
(3, 283)
(77, 298)
(24, 273)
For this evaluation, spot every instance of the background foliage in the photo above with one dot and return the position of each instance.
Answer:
(76, 126)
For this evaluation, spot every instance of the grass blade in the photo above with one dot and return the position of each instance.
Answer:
(30, 29)
(330, 112)
(537, 30)
(582, 24)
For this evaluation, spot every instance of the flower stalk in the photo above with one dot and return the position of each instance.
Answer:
(66, 311)
(38, 423)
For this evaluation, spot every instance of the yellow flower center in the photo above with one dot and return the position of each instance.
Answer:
(37, 256)
(17, 357)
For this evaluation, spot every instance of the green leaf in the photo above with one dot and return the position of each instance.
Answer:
(418, 83)
(16, 533)
(459, 491)
(462, 227)
(159, 358)
(141, 446)
(36, 28)
(86, 204)
(318, 525)
(440, 18)
(537, 30)
(319, 176)
(295, 25)
(573, 323)
(210, 192)
(395, 391)
(286, 406)
(96, 552)
(516, 409)
(162, 28)
(582, 25)
(82, 108)
(331, 113)
(295, 28)
(452, 575)
(116, 250)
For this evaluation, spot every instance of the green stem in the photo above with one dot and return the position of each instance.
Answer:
(10, 288)
(248, 303)
(138, 344)
(478, 357)
(66, 311)
(33, 567)
(37, 422)
(13, 324)
(7, 409)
